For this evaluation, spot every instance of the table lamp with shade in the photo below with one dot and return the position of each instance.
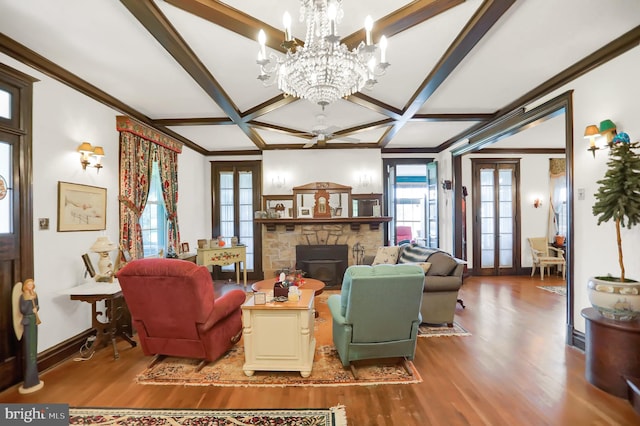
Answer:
(103, 246)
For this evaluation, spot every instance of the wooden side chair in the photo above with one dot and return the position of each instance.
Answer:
(542, 258)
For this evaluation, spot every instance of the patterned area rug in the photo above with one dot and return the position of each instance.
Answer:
(557, 289)
(327, 368)
(334, 416)
(442, 330)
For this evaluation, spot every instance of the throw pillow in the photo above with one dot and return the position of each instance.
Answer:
(442, 264)
(386, 255)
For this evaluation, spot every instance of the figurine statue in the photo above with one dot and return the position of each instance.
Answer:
(25, 324)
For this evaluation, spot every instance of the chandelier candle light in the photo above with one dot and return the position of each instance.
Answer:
(323, 70)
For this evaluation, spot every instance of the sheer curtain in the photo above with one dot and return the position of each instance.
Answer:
(557, 191)
(139, 144)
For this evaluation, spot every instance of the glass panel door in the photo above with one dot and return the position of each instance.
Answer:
(236, 190)
(495, 232)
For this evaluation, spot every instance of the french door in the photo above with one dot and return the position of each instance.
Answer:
(236, 196)
(496, 234)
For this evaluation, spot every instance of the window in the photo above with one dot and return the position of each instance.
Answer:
(153, 220)
(5, 104)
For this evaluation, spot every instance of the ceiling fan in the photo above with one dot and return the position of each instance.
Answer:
(323, 132)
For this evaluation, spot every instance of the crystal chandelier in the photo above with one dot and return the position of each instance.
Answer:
(323, 70)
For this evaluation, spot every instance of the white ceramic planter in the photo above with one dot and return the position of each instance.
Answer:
(615, 300)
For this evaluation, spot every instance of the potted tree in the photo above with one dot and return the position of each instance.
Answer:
(618, 199)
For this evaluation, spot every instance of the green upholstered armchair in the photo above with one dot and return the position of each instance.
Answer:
(377, 313)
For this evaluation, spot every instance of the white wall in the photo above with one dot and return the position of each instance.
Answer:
(302, 166)
(611, 91)
(194, 197)
(62, 119)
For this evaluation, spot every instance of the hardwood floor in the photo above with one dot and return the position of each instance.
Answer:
(515, 369)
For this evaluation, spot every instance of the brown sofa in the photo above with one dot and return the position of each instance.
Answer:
(443, 278)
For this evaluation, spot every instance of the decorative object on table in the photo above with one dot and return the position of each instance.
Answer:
(260, 298)
(25, 325)
(88, 266)
(81, 207)
(103, 246)
(184, 247)
(203, 244)
(323, 69)
(287, 277)
(334, 416)
(618, 199)
(221, 242)
(234, 241)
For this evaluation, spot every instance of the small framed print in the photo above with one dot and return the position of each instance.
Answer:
(305, 212)
(260, 298)
(185, 247)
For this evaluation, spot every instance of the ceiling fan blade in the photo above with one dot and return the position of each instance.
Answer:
(311, 143)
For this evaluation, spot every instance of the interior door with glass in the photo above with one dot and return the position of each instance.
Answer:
(496, 236)
(236, 196)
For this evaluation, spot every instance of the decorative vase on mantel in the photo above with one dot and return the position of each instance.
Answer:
(615, 300)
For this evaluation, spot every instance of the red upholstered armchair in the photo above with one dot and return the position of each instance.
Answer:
(175, 312)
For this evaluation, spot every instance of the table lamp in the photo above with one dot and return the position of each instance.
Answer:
(103, 246)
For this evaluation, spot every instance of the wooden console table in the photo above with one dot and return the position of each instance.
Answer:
(223, 256)
(611, 352)
(116, 312)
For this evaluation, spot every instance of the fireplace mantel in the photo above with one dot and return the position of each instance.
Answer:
(355, 222)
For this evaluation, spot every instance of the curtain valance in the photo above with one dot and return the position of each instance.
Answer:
(126, 124)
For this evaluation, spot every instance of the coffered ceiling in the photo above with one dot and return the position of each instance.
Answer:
(188, 67)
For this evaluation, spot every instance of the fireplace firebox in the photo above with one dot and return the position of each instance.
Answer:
(326, 263)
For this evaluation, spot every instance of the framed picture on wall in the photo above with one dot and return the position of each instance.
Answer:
(81, 207)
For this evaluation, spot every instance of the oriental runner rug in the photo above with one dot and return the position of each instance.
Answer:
(334, 416)
(327, 368)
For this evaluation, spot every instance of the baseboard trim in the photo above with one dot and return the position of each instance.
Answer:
(63, 350)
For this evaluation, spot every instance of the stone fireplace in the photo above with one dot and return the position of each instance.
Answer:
(279, 245)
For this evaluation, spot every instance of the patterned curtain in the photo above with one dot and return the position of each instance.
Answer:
(168, 167)
(135, 173)
(139, 145)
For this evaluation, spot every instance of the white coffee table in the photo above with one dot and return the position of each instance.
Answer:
(279, 336)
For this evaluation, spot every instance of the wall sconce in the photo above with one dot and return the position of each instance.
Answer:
(537, 203)
(278, 181)
(591, 133)
(365, 180)
(87, 152)
(608, 129)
